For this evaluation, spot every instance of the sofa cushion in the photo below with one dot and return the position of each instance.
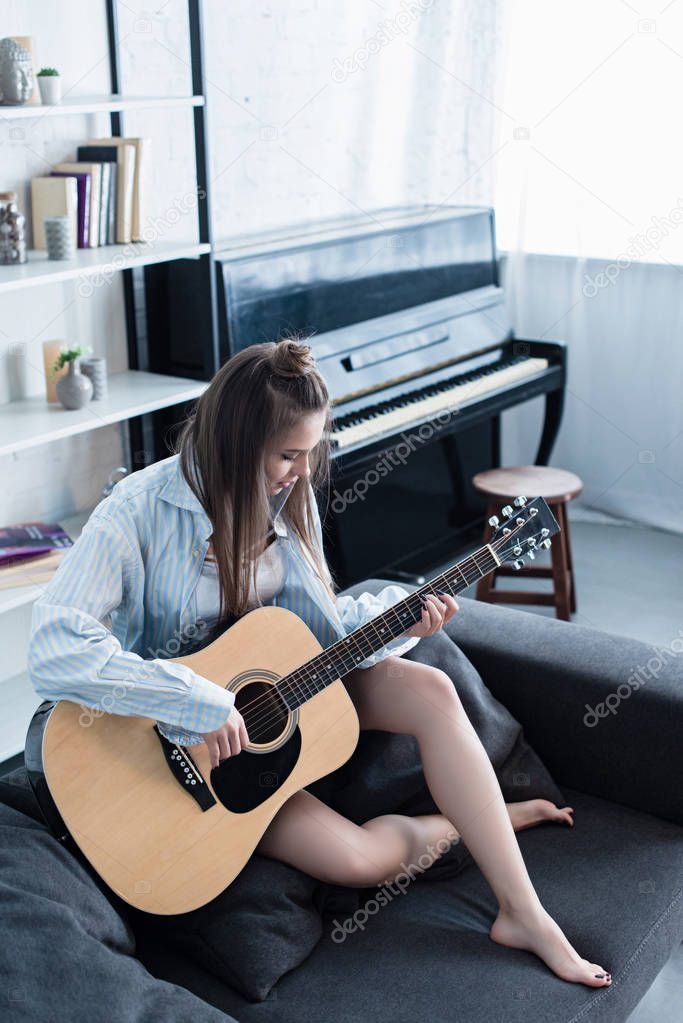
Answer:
(612, 882)
(261, 927)
(384, 774)
(67, 953)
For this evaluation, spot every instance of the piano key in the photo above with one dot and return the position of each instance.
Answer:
(417, 406)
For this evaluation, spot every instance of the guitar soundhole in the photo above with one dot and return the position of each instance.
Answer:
(265, 714)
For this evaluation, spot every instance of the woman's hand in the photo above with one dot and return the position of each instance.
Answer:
(227, 740)
(437, 611)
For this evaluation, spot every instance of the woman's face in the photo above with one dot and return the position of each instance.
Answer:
(287, 457)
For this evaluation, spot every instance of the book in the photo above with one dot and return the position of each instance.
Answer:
(95, 170)
(30, 539)
(52, 197)
(123, 155)
(83, 190)
(141, 178)
(31, 572)
(111, 204)
(107, 157)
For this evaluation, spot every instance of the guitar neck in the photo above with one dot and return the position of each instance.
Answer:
(345, 655)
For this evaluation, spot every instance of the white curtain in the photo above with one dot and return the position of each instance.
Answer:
(589, 201)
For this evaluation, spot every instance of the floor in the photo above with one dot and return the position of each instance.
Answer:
(628, 582)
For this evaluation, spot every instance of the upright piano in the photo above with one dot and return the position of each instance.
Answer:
(404, 310)
(406, 316)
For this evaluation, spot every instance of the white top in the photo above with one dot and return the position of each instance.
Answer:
(271, 570)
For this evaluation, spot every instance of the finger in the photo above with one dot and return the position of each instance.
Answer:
(223, 745)
(438, 610)
(434, 615)
(214, 752)
(234, 741)
(427, 614)
(244, 735)
(452, 606)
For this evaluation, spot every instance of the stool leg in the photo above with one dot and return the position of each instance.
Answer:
(485, 584)
(564, 523)
(558, 551)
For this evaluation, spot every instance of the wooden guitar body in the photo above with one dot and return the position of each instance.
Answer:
(128, 804)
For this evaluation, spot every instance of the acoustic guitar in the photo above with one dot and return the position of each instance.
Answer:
(162, 828)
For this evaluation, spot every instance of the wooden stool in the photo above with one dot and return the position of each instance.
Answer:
(557, 487)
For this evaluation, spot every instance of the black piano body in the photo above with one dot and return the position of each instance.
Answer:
(405, 313)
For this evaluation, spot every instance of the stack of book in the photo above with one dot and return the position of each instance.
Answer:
(30, 552)
(104, 191)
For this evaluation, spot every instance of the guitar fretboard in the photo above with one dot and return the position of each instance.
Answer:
(346, 654)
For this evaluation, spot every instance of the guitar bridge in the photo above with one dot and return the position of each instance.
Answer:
(186, 772)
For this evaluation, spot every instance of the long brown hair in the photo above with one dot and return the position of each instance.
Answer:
(256, 395)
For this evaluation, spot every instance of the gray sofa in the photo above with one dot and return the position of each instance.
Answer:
(609, 736)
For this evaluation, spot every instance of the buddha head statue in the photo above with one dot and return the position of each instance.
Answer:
(16, 72)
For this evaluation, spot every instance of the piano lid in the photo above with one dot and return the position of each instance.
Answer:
(319, 278)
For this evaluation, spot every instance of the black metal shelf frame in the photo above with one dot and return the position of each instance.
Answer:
(146, 351)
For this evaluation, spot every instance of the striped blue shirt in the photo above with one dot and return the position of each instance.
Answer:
(123, 601)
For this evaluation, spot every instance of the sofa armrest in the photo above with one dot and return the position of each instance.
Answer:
(604, 712)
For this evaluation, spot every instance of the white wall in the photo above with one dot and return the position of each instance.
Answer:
(316, 107)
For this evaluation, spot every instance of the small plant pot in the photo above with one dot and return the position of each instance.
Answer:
(50, 89)
(74, 389)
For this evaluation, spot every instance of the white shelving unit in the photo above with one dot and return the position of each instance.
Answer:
(24, 424)
(30, 422)
(104, 261)
(97, 105)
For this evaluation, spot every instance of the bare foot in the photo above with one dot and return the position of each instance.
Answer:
(533, 811)
(535, 931)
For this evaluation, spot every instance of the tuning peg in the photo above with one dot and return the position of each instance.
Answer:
(519, 502)
(517, 550)
(507, 511)
(493, 522)
(517, 565)
(545, 532)
(531, 542)
(531, 555)
(544, 543)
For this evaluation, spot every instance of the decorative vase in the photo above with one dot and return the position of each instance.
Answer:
(51, 351)
(50, 89)
(95, 368)
(59, 237)
(74, 390)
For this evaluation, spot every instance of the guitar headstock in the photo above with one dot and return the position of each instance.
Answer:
(526, 529)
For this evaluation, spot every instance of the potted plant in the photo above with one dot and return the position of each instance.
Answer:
(50, 85)
(74, 389)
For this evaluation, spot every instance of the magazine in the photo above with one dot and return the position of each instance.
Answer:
(28, 540)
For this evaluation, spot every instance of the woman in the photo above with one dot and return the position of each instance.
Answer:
(182, 549)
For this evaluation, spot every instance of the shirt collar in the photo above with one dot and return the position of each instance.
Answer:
(177, 491)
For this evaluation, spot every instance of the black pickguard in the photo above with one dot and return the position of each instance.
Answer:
(245, 781)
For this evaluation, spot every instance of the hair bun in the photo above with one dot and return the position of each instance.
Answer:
(291, 358)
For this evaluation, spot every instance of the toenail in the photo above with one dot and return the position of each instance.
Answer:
(600, 976)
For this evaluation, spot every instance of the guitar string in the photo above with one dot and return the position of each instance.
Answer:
(293, 687)
(268, 718)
